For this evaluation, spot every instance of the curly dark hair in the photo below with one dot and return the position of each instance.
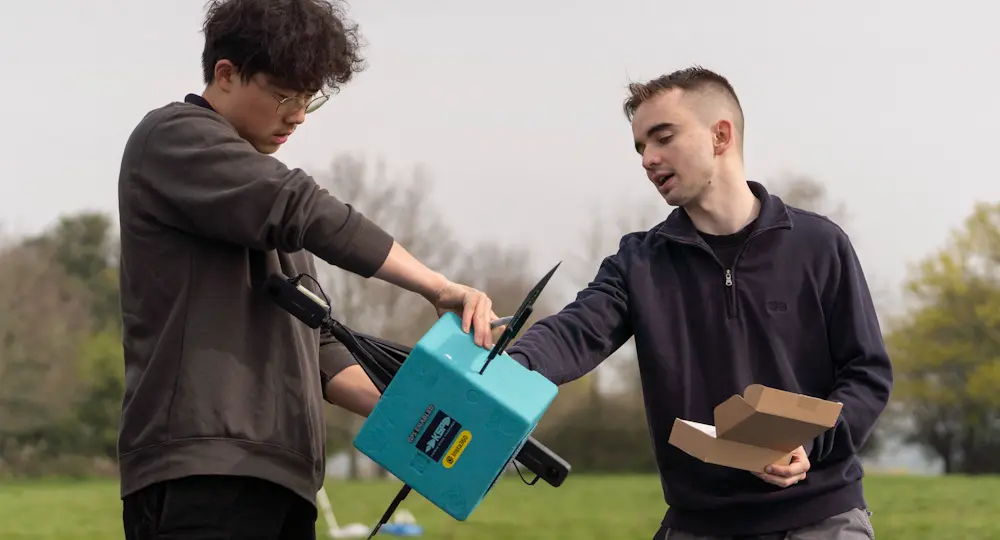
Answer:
(303, 45)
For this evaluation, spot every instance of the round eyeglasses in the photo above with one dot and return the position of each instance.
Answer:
(288, 106)
(291, 105)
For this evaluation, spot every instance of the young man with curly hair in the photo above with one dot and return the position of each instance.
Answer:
(734, 288)
(222, 432)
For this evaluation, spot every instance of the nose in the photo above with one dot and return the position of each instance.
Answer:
(297, 117)
(650, 160)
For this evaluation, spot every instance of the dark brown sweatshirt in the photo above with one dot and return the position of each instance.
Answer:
(218, 379)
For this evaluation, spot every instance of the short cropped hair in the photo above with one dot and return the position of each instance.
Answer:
(690, 79)
(303, 45)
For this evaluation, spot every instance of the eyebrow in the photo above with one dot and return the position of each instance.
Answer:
(662, 126)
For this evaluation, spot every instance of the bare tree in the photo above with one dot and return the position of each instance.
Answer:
(402, 207)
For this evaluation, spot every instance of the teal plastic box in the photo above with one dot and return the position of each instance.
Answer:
(444, 429)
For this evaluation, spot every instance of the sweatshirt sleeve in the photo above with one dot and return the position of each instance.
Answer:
(334, 357)
(863, 378)
(194, 173)
(566, 346)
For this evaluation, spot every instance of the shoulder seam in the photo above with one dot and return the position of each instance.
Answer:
(815, 215)
(634, 236)
(170, 112)
(145, 140)
(165, 113)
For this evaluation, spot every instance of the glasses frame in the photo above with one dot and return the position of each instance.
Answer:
(310, 105)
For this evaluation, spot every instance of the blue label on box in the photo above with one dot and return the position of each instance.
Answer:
(440, 432)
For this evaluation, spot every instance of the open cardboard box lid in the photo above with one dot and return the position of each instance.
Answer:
(757, 429)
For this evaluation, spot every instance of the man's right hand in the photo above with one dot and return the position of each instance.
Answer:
(474, 306)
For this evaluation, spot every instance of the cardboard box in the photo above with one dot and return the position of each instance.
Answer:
(755, 430)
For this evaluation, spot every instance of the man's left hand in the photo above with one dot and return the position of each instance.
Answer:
(786, 475)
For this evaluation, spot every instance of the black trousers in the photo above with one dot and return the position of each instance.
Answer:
(217, 508)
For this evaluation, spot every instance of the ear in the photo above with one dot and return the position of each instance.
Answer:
(226, 75)
(723, 136)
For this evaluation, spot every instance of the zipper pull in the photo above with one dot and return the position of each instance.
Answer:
(729, 278)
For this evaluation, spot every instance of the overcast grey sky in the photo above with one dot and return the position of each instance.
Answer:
(892, 104)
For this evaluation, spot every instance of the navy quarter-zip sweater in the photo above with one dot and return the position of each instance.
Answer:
(790, 309)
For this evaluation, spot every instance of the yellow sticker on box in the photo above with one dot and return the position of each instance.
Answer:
(455, 452)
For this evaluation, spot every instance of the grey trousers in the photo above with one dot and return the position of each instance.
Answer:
(851, 525)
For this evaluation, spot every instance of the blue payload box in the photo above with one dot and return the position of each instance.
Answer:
(447, 430)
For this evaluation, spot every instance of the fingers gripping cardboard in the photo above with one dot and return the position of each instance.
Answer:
(760, 428)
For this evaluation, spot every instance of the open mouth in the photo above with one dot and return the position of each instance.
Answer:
(662, 179)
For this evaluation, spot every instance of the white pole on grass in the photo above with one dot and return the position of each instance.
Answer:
(333, 529)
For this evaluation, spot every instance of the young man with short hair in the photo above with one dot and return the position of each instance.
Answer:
(222, 432)
(733, 288)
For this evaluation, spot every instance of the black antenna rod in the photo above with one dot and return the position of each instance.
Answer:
(391, 510)
(519, 318)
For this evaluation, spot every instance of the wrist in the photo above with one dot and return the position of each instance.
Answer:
(404, 270)
(434, 286)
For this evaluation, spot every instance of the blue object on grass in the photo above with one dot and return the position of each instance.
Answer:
(402, 529)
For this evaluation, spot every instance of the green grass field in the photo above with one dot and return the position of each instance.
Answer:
(585, 508)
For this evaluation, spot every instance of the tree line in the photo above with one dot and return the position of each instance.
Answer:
(61, 365)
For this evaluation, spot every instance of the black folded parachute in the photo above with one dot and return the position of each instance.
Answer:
(381, 358)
